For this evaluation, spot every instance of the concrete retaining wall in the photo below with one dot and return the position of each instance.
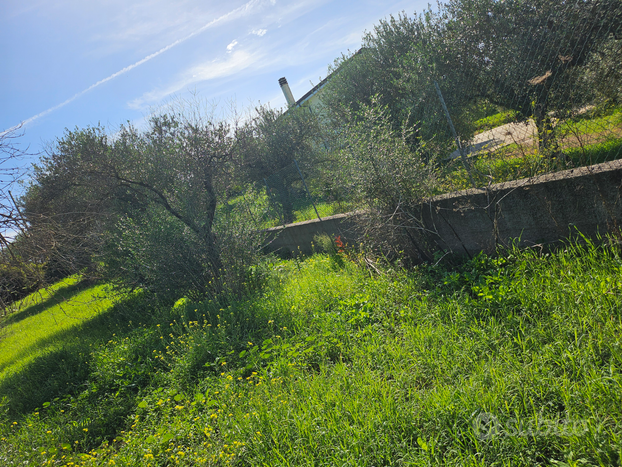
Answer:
(293, 239)
(538, 210)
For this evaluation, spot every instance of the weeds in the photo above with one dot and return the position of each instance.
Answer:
(514, 360)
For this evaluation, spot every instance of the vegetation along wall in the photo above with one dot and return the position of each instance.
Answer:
(538, 210)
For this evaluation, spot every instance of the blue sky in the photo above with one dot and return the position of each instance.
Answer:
(74, 63)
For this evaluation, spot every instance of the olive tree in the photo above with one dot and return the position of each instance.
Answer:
(68, 203)
(148, 199)
(397, 66)
(269, 143)
(541, 59)
(388, 181)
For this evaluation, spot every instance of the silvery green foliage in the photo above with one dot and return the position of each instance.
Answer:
(388, 179)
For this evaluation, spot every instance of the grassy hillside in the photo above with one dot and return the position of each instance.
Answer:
(508, 361)
(47, 321)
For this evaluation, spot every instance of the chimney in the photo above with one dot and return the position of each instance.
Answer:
(288, 92)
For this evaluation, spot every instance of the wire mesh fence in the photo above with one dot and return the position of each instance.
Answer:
(532, 87)
(495, 91)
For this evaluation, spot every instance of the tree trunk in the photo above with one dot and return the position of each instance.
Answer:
(284, 197)
(547, 143)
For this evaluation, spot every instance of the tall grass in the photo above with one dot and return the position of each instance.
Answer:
(507, 361)
(46, 343)
(515, 163)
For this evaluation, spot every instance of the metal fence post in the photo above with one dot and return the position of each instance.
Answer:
(453, 130)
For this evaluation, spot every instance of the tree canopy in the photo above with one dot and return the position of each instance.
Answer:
(269, 143)
(536, 57)
(142, 203)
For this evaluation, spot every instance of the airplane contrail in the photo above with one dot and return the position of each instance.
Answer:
(232, 14)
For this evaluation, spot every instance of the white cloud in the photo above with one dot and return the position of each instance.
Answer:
(231, 46)
(233, 14)
(263, 55)
(235, 62)
(141, 23)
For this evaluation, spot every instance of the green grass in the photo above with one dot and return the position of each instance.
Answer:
(584, 140)
(42, 322)
(595, 153)
(512, 163)
(332, 365)
(324, 209)
(304, 211)
(45, 342)
(268, 214)
(588, 123)
(493, 121)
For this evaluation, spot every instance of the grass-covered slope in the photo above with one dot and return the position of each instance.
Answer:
(45, 321)
(512, 361)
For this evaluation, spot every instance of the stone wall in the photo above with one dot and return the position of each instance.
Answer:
(539, 210)
(293, 239)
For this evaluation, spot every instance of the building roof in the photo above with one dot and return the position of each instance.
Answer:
(313, 91)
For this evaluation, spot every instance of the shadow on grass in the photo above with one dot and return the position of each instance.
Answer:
(65, 368)
(59, 296)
